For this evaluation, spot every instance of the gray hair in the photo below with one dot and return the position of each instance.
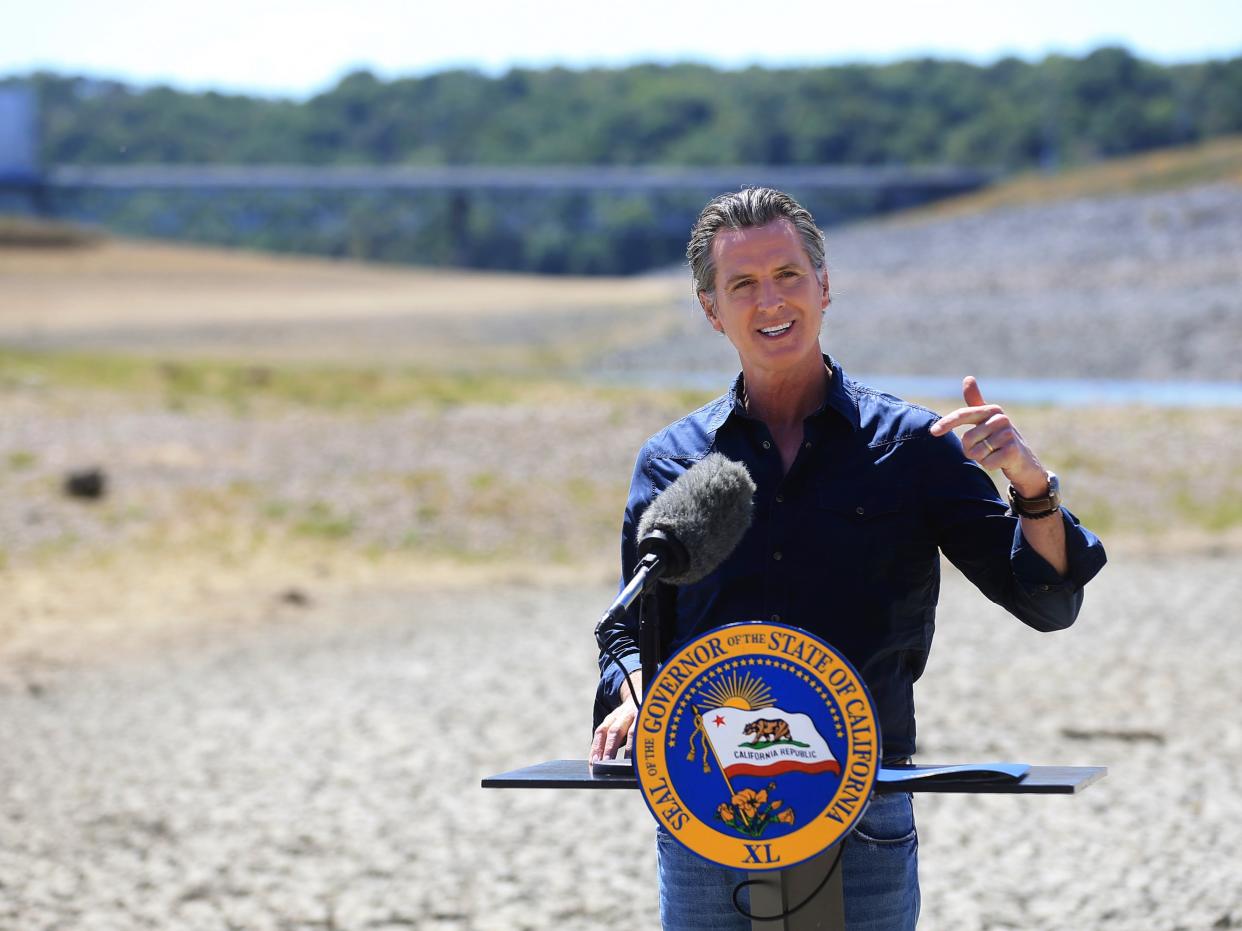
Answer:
(739, 210)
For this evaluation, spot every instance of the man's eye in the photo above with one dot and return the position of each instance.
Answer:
(742, 284)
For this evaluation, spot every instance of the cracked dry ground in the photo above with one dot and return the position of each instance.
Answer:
(314, 762)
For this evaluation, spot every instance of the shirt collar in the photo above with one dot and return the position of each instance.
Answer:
(840, 399)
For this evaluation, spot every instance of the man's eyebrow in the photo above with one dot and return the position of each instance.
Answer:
(742, 276)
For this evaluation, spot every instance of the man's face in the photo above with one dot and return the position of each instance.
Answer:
(769, 299)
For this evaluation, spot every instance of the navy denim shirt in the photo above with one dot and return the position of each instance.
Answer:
(847, 544)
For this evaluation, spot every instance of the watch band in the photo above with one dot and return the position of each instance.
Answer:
(1039, 507)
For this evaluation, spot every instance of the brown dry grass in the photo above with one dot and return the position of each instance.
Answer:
(127, 282)
(192, 302)
(1219, 160)
(21, 232)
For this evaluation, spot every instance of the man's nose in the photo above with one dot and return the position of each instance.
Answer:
(769, 295)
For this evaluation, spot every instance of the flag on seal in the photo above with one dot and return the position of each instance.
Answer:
(766, 742)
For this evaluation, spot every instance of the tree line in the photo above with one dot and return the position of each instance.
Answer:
(1008, 115)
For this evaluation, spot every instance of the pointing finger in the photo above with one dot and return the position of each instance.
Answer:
(976, 410)
(964, 415)
(971, 392)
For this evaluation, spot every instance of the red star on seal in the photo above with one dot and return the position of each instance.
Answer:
(718, 720)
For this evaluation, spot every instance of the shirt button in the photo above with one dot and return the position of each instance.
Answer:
(860, 510)
(807, 444)
(767, 445)
(780, 499)
(777, 556)
(777, 618)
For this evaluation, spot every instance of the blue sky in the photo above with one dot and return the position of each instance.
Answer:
(282, 47)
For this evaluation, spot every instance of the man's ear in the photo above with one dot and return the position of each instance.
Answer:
(709, 310)
(823, 281)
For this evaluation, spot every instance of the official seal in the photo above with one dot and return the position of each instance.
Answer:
(757, 746)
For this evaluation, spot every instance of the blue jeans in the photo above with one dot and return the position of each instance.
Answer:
(880, 876)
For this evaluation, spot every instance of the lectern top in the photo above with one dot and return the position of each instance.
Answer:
(1039, 780)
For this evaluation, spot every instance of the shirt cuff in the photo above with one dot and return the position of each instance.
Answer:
(613, 677)
(1083, 550)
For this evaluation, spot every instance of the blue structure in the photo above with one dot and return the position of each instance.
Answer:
(19, 136)
(21, 178)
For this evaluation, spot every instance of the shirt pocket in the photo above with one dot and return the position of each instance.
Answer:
(877, 533)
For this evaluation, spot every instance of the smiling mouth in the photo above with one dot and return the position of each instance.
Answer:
(775, 330)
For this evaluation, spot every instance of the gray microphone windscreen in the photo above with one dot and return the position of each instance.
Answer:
(708, 508)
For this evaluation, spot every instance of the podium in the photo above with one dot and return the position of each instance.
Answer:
(774, 892)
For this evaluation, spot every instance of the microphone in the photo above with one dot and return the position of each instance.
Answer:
(689, 528)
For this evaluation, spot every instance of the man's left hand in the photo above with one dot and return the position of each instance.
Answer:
(994, 442)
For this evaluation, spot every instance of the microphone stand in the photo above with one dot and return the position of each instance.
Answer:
(649, 637)
(660, 554)
(648, 570)
(655, 611)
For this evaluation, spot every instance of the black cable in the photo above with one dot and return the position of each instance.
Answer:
(606, 649)
(737, 890)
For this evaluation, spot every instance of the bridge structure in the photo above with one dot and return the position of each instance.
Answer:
(51, 190)
(465, 178)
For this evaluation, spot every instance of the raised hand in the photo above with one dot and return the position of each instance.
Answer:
(993, 441)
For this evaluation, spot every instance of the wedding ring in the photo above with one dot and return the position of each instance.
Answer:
(991, 449)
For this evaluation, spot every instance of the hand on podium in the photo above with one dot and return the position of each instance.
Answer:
(618, 728)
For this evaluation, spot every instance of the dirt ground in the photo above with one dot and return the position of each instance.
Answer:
(304, 751)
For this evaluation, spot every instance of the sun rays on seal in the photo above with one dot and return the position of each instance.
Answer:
(744, 692)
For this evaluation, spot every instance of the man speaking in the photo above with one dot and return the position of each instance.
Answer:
(857, 494)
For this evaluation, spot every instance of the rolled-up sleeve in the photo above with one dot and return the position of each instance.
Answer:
(1052, 599)
(975, 530)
